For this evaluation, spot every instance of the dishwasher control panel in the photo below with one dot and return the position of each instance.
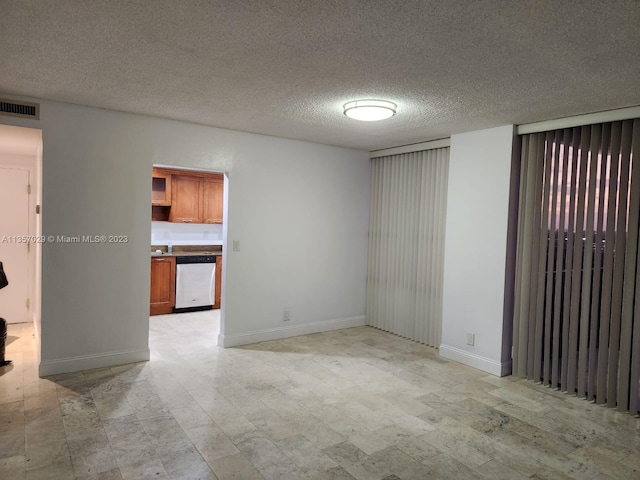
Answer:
(196, 259)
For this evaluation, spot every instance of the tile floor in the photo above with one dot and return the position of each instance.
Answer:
(356, 403)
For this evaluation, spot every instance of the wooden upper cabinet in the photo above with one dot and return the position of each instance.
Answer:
(161, 188)
(186, 199)
(183, 196)
(212, 192)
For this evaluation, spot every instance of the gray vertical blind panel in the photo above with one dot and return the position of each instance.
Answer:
(626, 384)
(625, 260)
(562, 150)
(618, 264)
(576, 310)
(406, 244)
(579, 239)
(524, 302)
(515, 368)
(591, 159)
(598, 265)
(634, 380)
(535, 259)
(534, 253)
(607, 276)
(568, 272)
(548, 326)
(543, 243)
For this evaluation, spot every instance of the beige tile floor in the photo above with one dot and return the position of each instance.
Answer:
(356, 403)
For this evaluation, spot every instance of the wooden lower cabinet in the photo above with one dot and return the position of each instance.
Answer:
(163, 285)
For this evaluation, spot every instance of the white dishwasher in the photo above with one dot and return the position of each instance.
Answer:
(195, 282)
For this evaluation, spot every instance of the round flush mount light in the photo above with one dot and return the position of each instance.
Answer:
(370, 110)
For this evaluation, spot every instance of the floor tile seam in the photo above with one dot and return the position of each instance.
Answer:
(507, 451)
(403, 450)
(105, 397)
(582, 425)
(14, 398)
(269, 463)
(199, 449)
(195, 449)
(24, 445)
(58, 407)
(621, 463)
(359, 423)
(64, 457)
(545, 460)
(113, 446)
(449, 450)
(502, 447)
(300, 465)
(548, 429)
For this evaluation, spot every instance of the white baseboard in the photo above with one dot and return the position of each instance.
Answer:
(499, 369)
(257, 336)
(87, 362)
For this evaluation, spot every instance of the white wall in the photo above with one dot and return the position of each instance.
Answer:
(475, 249)
(300, 211)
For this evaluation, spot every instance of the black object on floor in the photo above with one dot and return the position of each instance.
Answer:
(3, 277)
(3, 341)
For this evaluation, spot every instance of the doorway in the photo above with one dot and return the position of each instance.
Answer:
(15, 242)
(188, 230)
(20, 225)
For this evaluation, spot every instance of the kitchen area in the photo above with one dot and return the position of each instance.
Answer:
(186, 240)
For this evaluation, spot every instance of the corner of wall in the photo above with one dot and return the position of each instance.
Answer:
(88, 362)
(499, 369)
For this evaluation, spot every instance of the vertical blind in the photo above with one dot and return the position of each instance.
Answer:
(577, 291)
(406, 244)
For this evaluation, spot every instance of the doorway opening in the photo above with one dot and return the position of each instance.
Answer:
(21, 236)
(188, 240)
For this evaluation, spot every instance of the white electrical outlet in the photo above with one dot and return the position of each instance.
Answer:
(471, 338)
(286, 315)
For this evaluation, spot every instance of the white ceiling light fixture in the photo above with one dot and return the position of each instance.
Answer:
(370, 110)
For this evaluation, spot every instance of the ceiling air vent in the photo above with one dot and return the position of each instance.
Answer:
(19, 109)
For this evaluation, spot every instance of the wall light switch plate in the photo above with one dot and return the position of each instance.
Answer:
(236, 245)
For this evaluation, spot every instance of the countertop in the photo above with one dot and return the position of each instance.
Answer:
(188, 251)
(185, 254)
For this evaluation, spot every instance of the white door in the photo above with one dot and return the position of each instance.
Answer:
(14, 223)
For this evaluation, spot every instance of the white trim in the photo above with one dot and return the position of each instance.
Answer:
(98, 360)
(579, 120)
(288, 331)
(415, 147)
(476, 361)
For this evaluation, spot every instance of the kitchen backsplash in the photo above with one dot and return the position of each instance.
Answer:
(163, 233)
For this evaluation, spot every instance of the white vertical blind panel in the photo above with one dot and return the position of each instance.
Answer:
(406, 244)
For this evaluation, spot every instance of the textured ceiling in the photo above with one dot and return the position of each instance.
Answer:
(286, 67)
